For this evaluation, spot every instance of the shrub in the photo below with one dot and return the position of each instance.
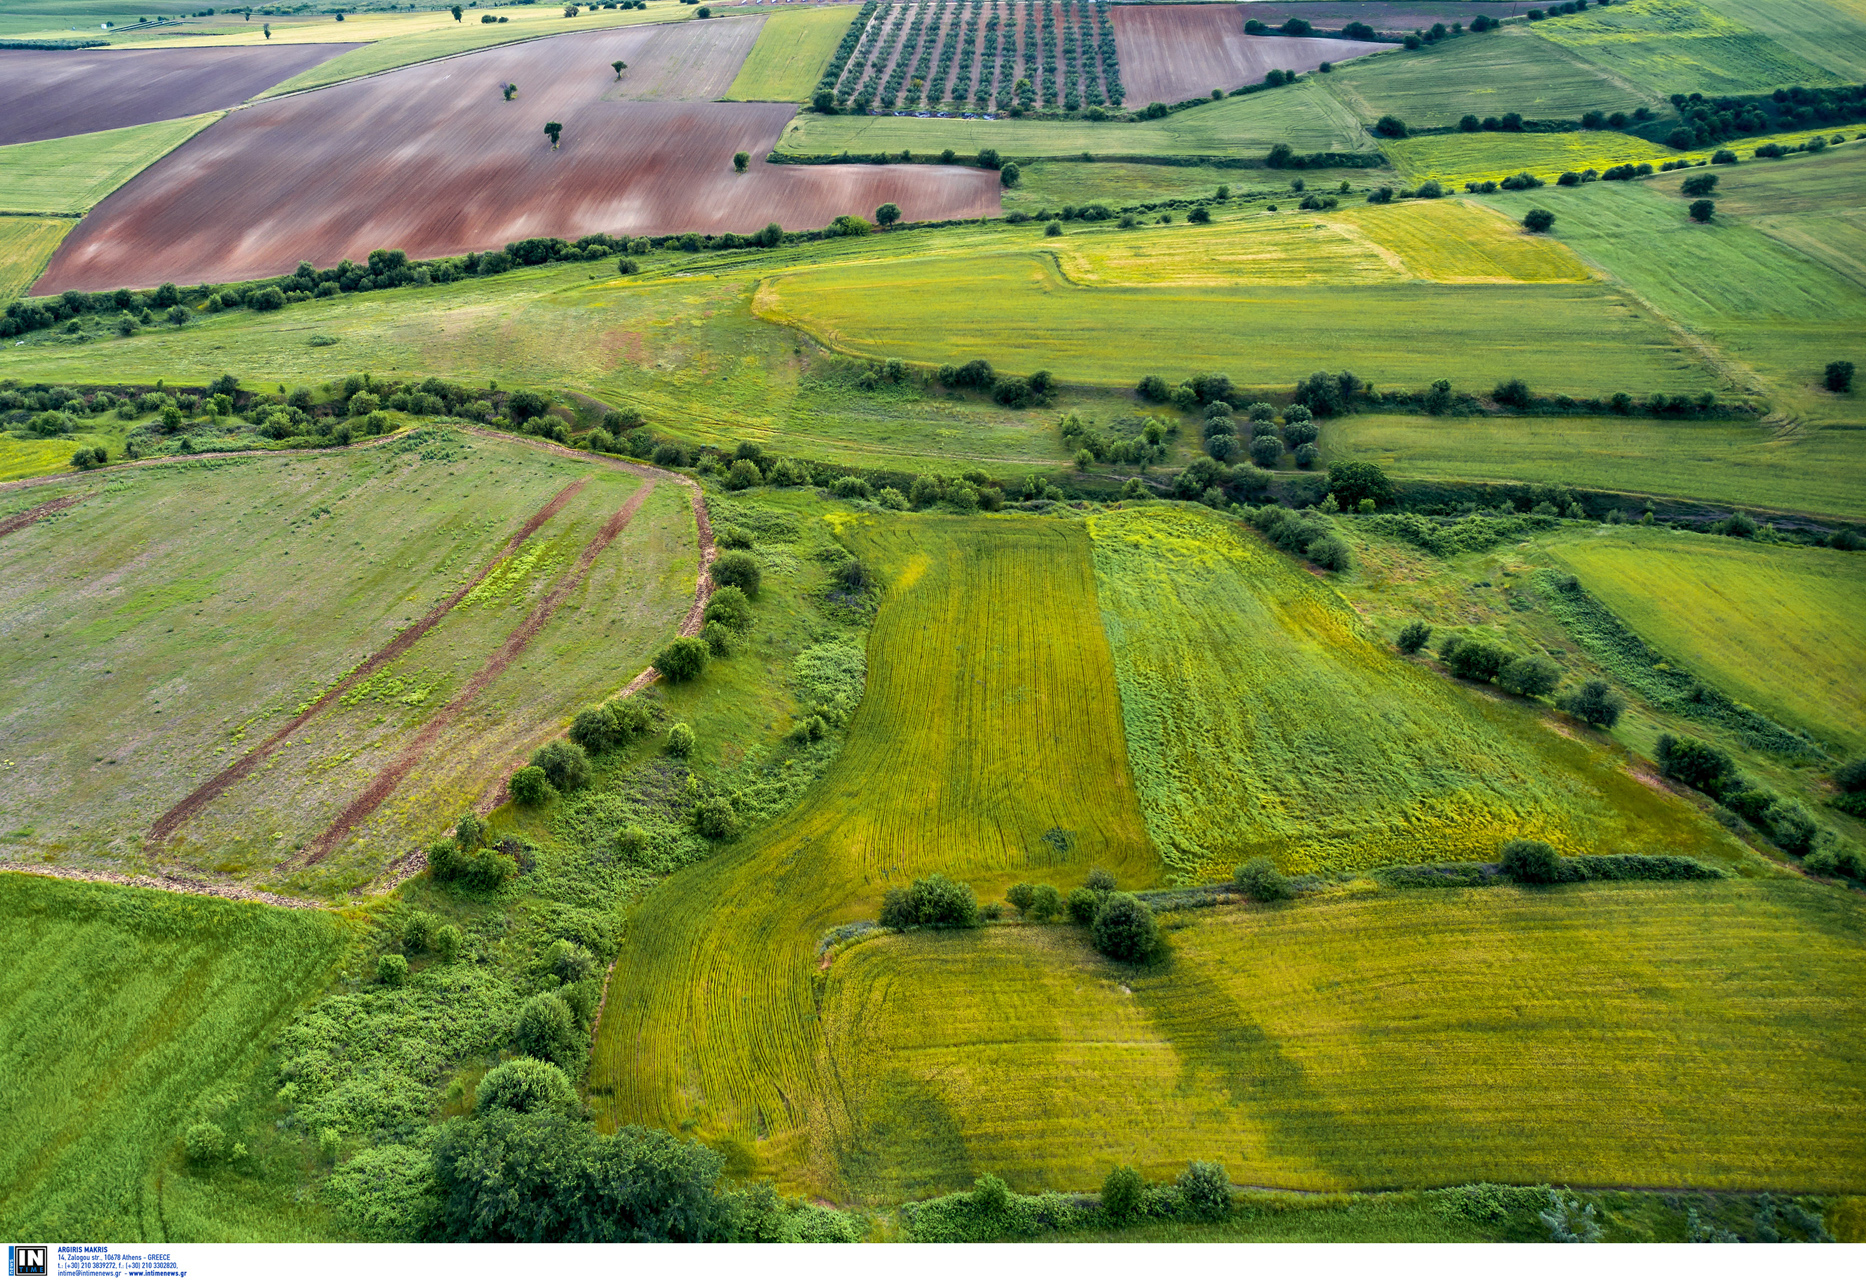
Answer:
(391, 969)
(715, 818)
(935, 902)
(1839, 377)
(529, 786)
(1390, 127)
(1475, 660)
(1045, 903)
(682, 660)
(1539, 220)
(1699, 184)
(679, 740)
(1124, 928)
(1702, 210)
(730, 607)
(1260, 881)
(1265, 451)
(447, 942)
(1513, 394)
(595, 729)
(1082, 904)
(1529, 862)
(525, 1085)
(1205, 1190)
(565, 764)
(737, 569)
(1791, 827)
(1594, 703)
(1121, 1193)
(1697, 764)
(1200, 215)
(1331, 552)
(1021, 895)
(743, 474)
(547, 1030)
(1851, 778)
(1414, 637)
(1349, 482)
(1529, 677)
(205, 1143)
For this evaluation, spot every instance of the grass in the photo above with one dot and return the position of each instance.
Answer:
(1741, 464)
(1304, 116)
(1812, 204)
(26, 245)
(1230, 657)
(793, 48)
(1461, 242)
(257, 584)
(69, 175)
(1458, 158)
(987, 746)
(1823, 33)
(131, 1014)
(1682, 46)
(1651, 1035)
(1051, 184)
(1507, 70)
(1777, 627)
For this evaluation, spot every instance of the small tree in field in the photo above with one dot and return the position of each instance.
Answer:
(887, 215)
(1413, 637)
(1260, 881)
(509, 90)
(1840, 376)
(1529, 862)
(1124, 928)
(740, 160)
(682, 660)
(1701, 210)
(455, 10)
(1594, 703)
(555, 131)
(618, 66)
(1538, 220)
(529, 786)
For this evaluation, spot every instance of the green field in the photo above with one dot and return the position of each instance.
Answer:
(1813, 204)
(1649, 1035)
(1492, 74)
(187, 643)
(1737, 463)
(69, 175)
(988, 746)
(793, 48)
(25, 246)
(1225, 690)
(1457, 158)
(1305, 117)
(1684, 46)
(1783, 629)
(129, 1016)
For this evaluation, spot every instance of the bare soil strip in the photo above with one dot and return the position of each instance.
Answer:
(417, 749)
(201, 796)
(13, 524)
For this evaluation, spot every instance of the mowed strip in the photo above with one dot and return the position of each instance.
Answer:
(172, 821)
(391, 777)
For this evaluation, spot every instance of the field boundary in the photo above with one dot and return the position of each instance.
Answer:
(166, 884)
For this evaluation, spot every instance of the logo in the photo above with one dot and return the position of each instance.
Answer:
(27, 1260)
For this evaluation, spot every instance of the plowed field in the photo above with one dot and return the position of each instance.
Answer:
(55, 93)
(432, 160)
(1177, 51)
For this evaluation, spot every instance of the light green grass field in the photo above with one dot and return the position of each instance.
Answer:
(130, 1015)
(1737, 463)
(69, 175)
(25, 246)
(1263, 720)
(792, 49)
(214, 599)
(1304, 116)
(1647, 1035)
(1682, 46)
(1458, 158)
(1490, 74)
(988, 746)
(50, 19)
(1782, 628)
(1815, 205)
(1051, 184)
(1827, 34)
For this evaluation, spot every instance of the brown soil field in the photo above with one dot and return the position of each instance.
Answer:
(1382, 15)
(1177, 51)
(430, 159)
(55, 93)
(684, 61)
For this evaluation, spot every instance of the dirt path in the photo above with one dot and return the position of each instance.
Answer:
(201, 796)
(417, 749)
(13, 524)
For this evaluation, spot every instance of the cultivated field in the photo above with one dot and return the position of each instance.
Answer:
(1682, 46)
(1815, 206)
(369, 162)
(677, 62)
(794, 46)
(1228, 656)
(1457, 158)
(1367, 1039)
(483, 541)
(25, 244)
(55, 94)
(1827, 33)
(70, 175)
(1171, 52)
(126, 1011)
(1781, 628)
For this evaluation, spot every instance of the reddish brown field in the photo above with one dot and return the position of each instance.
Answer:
(54, 93)
(1382, 15)
(431, 160)
(1177, 51)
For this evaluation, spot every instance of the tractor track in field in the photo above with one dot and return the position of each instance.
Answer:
(14, 523)
(207, 792)
(392, 774)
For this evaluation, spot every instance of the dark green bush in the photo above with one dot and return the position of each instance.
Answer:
(1530, 862)
(1082, 903)
(1124, 928)
(1531, 677)
(525, 1085)
(729, 605)
(1413, 637)
(1046, 903)
(548, 1031)
(1697, 764)
(1260, 881)
(595, 729)
(716, 818)
(737, 569)
(565, 764)
(1475, 659)
(1594, 703)
(1121, 1194)
(1205, 1188)
(682, 660)
(530, 786)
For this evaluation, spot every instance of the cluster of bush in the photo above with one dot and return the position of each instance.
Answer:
(1813, 146)
(823, 99)
(1282, 156)
(1121, 925)
(933, 902)
(1537, 862)
(1090, 444)
(1012, 392)
(132, 308)
(992, 1211)
(1527, 676)
(1719, 119)
(1310, 534)
(1787, 823)
(1567, 7)
(468, 860)
(1266, 446)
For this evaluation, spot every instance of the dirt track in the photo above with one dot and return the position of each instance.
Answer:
(14, 523)
(1177, 51)
(55, 93)
(203, 795)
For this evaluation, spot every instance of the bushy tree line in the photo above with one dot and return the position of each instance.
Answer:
(992, 1211)
(1705, 120)
(1787, 823)
(1120, 924)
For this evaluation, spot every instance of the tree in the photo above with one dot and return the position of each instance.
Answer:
(737, 569)
(740, 159)
(547, 1031)
(1538, 220)
(1390, 127)
(1021, 895)
(935, 902)
(1513, 394)
(529, 786)
(1260, 881)
(1529, 862)
(1474, 659)
(509, 90)
(1530, 677)
(525, 1085)
(680, 740)
(1200, 214)
(391, 970)
(1205, 1190)
(683, 660)
(887, 215)
(1124, 928)
(1045, 903)
(1840, 376)
(1701, 210)
(1349, 482)
(455, 10)
(1696, 764)
(565, 764)
(988, 159)
(1594, 703)
(824, 101)
(595, 729)
(731, 607)
(716, 818)
(618, 66)
(1082, 904)
(555, 130)
(1413, 637)
(1121, 1193)
(744, 474)
(1699, 184)
(1010, 174)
